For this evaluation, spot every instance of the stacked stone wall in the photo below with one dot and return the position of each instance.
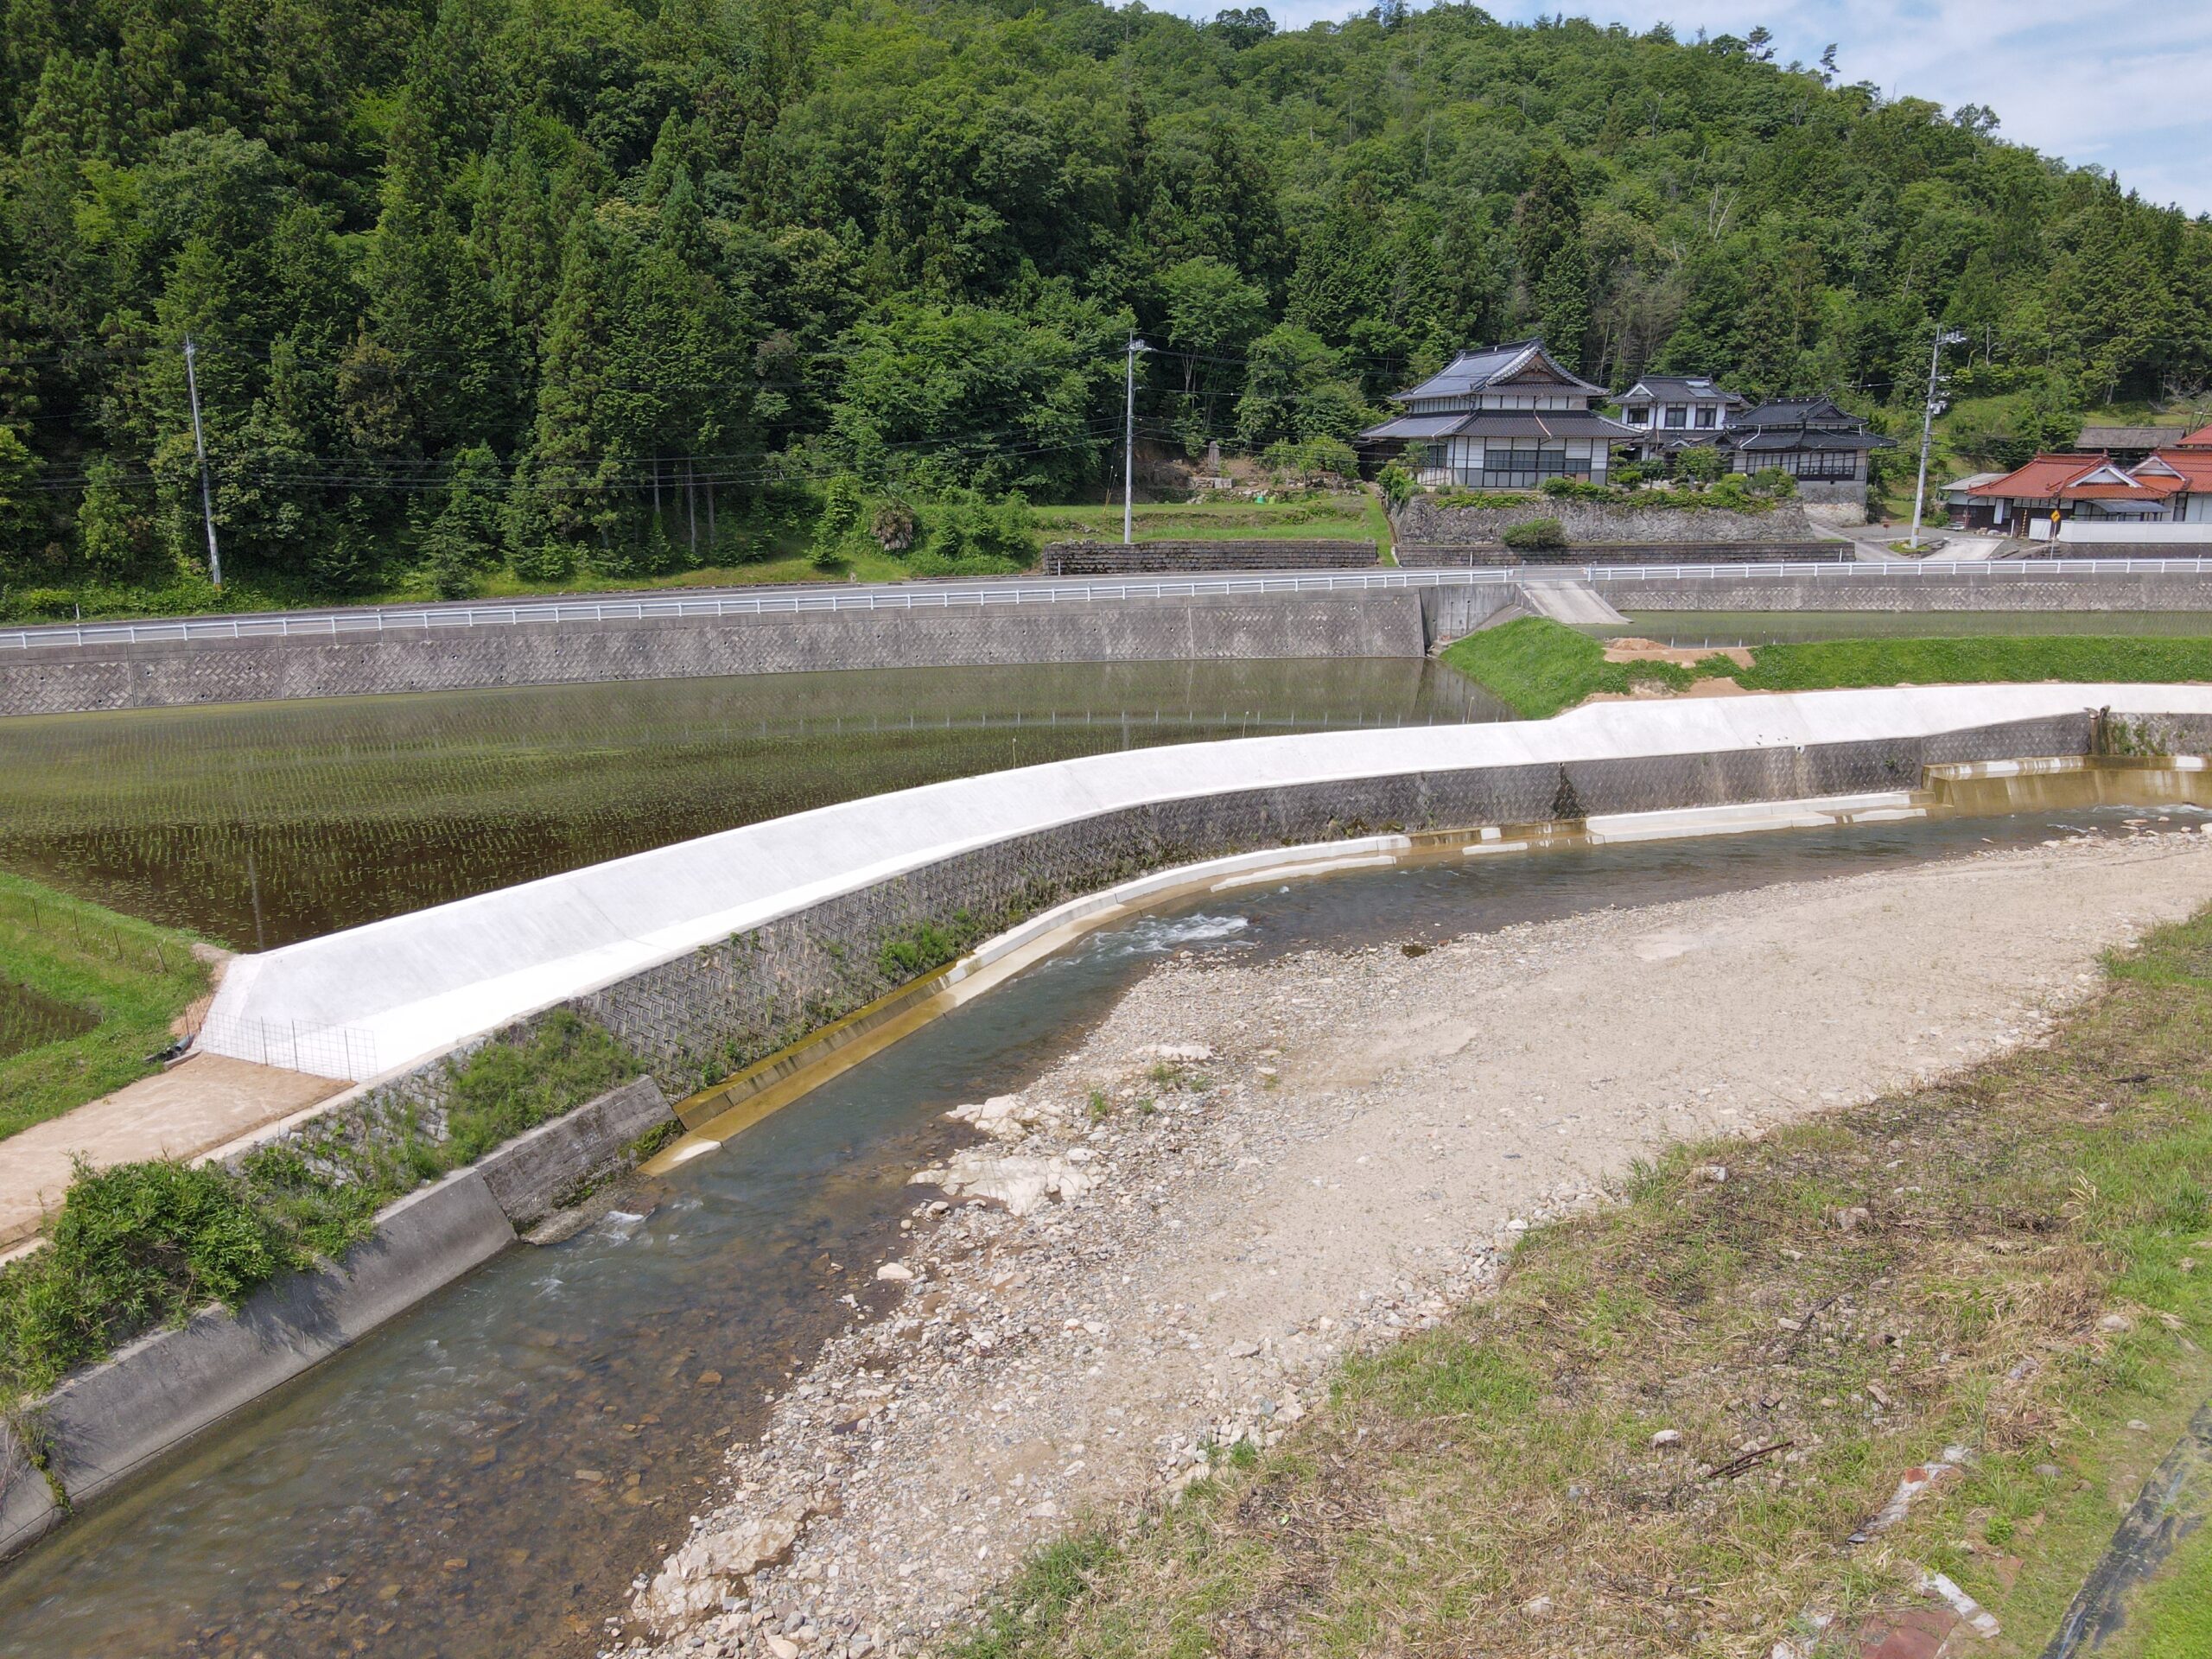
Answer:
(1170, 558)
(1424, 522)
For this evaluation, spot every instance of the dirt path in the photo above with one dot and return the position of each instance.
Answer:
(190, 1108)
(1248, 1169)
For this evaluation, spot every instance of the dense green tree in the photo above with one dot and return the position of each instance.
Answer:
(653, 264)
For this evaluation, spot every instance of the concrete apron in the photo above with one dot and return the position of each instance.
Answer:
(717, 1115)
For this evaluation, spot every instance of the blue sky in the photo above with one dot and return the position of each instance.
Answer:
(2127, 86)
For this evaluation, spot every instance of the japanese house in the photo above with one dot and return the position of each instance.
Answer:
(1506, 417)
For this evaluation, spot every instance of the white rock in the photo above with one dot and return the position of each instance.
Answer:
(2115, 1322)
(1666, 1438)
(897, 1271)
(699, 1575)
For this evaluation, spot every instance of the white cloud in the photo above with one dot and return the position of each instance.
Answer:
(2127, 86)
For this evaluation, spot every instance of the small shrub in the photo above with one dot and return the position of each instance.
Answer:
(1398, 486)
(1531, 535)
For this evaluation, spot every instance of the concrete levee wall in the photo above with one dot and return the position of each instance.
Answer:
(66, 679)
(104, 1425)
(1930, 591)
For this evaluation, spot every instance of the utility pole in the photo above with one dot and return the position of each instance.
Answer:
(1943, 337)
(200, 447)
(1129, 441)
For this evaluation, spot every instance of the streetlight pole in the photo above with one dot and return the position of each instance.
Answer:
(1129, 441)
(1943, 337)
(200, 449)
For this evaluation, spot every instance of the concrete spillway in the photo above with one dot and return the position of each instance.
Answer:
(379, 998)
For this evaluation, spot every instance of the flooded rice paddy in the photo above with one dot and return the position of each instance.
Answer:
(482, 1477)
(260, 824)
(28, 1018)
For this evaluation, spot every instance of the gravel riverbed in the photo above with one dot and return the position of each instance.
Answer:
(1166, 1242)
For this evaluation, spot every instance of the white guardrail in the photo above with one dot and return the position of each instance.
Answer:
(428, 618)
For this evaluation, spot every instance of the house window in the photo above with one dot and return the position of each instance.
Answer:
(1708, 416)
(1677, 415)
(1637, 416)
(1822, 463)
(1525, 463)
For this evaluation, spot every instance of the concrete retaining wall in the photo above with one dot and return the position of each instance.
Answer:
(64, 679)
(1167, 558)
(105, 1424)
(1444, 555)
(1932, 590)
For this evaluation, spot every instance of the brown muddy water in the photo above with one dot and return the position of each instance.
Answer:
(259, 824)
(482, 1477)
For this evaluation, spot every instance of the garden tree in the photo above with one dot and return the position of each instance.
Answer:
(668, 254)
(464, 540)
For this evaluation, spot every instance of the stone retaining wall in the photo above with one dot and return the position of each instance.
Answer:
(1448, 556)
(1169, 558)
(1421, 520)
(69, 680)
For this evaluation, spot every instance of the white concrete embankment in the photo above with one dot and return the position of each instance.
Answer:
(413, 985)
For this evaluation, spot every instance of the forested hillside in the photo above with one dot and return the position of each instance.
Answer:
(555, 284)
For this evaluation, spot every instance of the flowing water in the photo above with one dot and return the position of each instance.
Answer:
(261, 824)
(481, 1477)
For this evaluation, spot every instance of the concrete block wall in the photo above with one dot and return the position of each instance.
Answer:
(1446, 555)
(1170, 557)
(81, 679)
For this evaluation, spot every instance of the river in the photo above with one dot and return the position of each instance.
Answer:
(483, 1477)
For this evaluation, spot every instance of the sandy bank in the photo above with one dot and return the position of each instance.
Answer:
(1249, 1168)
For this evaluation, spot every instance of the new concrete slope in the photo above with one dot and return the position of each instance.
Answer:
(413, 985)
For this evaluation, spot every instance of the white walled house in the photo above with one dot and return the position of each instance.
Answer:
(1664, 412)
(1506, 417)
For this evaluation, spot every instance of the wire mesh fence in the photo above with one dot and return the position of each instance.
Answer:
(69, 924)
(321, 1051)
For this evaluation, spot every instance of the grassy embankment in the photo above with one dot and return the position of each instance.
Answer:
(1540, 667)
(1348, 516)
(2016, 1261)
(133, 977)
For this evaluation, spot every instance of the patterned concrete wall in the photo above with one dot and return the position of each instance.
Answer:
(72, 679)
(717, 1010)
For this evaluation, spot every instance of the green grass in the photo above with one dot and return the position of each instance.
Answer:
(1819, 664)
(1453, 1478)
(1540, 667)
(134, 978)
(2171, 1617)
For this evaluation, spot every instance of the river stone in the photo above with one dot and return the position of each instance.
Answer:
(697, 1576)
